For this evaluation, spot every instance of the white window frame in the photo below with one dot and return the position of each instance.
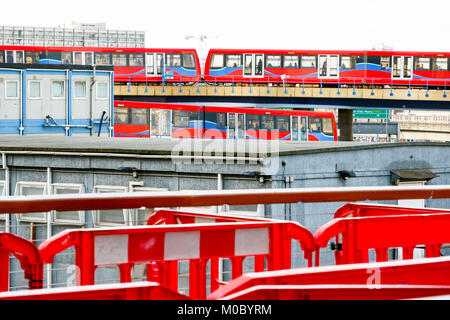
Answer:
(83, 56)
(6, 89)
(3, 194)
(126, 213)
(18, 192)
(402, 69)
(134, 212)
(81, 214)
(258, 213)
(40, 89)
(328, 58)
(97, 91)
(253, 71)
(85, 90)
(64, 90)
(15, 55)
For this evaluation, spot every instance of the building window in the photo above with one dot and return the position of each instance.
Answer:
(68, 217)
(80, 89)
(34, 89)
(113, 217)
(102, 90)
(58, 89)
(141, 215)
(28, 188)
(12, 89)
(205, 209)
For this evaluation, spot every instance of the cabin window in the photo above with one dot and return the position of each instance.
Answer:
(102, 90)
(385, 63)
(102, 59)
(58, 89)
(327, 126)
(217, 61)
(139, 116)
(422, 63)
(188, 61)
(173, 60)
(121, 115)
(308, 61)
(66, 57)
(136, 60)
(291, 61)
(32, 57)
(234, 60)
(30, 188)
(440, 64)
(283, 123)
(267, 122)
(273, 61)
(347, 62)
(252, 122)
(119, 59)
(80, 89)
(34, 89)
(12, 89)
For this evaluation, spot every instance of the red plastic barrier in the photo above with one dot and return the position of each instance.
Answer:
(117, 291)
(383, 232)
(27, 254)
(371, 210)
(428, 272)
(182, 217)
(338, 292)
(163, 246)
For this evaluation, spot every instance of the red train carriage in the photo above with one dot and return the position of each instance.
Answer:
(325, 67)
(144, 119)
(130, 64)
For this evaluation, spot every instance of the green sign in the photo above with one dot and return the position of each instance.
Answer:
(371, 113)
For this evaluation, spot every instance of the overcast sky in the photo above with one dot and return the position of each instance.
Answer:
(278, 24)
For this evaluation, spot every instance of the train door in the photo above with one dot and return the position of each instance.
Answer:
(402, 67)
(231, 129)
(83, 58)
(328, 66)
(294, 128)
(161, 123)
(303, 128)
(253, 65)
(298, 127)
(155, 64)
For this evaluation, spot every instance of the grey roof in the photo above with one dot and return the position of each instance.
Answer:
(166, 146)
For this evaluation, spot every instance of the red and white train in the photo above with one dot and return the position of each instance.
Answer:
(328, 67)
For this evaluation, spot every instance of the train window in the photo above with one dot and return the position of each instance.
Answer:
(32, 57)
(139, 116)
(291, 62)
(88, 58)
(53, 56)
(173, 60)
(422, 63)
(66, 57)
(188, 61)
(2, 57)
(233, 60)
(181, 119)
(348, 62)
(308, 61)
(14, 56)
(119, 59)
(252, 122)
(267, 122)
(282, 123)
(221, 120)
(121, 115)
(385, 63)
(136, 60)
(315, 125)
(273, 61)
(327, 126)
(102, 59)
(217, 61)
(440, 64)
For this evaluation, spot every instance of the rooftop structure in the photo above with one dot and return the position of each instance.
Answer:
(78, 35)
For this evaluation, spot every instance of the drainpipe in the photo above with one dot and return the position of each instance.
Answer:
(6, 189)
(22, 104)
(90, 103)
(219, 188)
(49, 225)
(66, 103)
